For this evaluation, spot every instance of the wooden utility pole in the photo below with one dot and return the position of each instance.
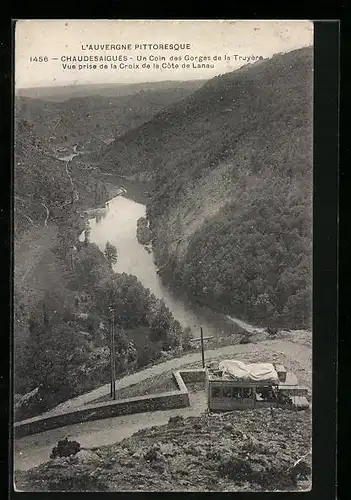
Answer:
(112, 353)
(113, 358)
(202, 348)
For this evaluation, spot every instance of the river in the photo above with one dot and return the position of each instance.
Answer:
(117, 224)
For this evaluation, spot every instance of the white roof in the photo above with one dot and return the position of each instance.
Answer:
(251, 372)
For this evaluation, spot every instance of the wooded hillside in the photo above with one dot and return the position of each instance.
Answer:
(231, 204)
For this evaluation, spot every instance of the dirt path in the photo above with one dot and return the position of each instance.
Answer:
(246, 326)
(47, 214)
(296, 336)
(31, 451)
(75, 192)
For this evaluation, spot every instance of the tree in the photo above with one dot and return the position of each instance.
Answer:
(132, 353)
(129, 299)
(161, 323)
(87, 232)
(148, 352)
(54, 352)
(111, 254)
(90, 267)
(186, 339)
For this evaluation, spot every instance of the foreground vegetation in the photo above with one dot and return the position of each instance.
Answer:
(93, 118)
(67, 353)
(252, 450)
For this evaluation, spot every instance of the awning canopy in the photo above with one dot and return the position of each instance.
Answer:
(251, 372)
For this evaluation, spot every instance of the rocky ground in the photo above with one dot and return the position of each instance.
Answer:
(237, 451)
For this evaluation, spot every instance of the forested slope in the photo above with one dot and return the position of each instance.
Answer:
(43, 190)
(61, 285)
(231, 203)
(100, 116)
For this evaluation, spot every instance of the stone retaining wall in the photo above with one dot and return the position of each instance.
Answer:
(164, 401)
(97, 411)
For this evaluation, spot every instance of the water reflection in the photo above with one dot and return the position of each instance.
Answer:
(100, 216)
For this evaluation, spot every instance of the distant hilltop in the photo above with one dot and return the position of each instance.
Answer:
(63, 93)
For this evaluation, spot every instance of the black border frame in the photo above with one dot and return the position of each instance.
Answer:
(325, 257)
(326, 140)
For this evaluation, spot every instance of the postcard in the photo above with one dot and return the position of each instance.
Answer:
(163, 255)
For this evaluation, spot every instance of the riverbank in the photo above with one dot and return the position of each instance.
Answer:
(137, 191)
(119, 224)
(133, 261)
(88, 211)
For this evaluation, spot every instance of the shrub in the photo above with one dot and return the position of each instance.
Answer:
(235, 468)
(176, 421)
(65, 448)
(246, 339)
(271, 330)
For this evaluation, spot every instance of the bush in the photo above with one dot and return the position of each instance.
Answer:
(148, 353)
(246, 339)
(272, 331)
(301, 471)
(176, 421)
(151, 454)
(235, 468)
(65, 448)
